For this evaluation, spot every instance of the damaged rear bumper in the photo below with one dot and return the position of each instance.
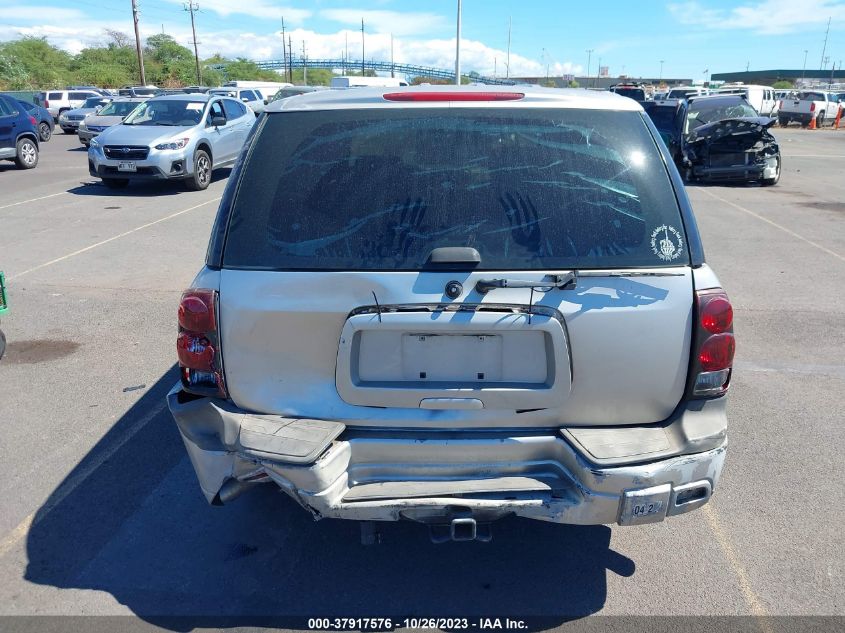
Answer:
(625, 475)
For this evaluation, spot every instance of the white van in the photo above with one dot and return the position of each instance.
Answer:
(762, 98)
(367, 82)
(266, 88)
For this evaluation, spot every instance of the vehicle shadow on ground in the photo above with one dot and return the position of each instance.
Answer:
(152, 188)
(138, 528)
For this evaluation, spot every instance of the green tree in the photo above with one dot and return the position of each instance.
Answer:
(783, 85)
(34, 62)
(167, 63)
(574, 84)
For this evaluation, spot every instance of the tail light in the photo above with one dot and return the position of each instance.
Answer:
(713, 345)
(198, 344)
(32, 120)
(46, 103)
(812, 106)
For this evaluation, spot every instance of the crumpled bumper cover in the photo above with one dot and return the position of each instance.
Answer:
(578, 476)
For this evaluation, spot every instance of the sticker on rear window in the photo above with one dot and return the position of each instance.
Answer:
(194, 106)
(667, 243)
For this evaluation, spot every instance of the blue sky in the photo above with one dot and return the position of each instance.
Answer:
(629, 37)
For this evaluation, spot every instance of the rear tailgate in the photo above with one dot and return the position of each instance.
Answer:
(620, 355)
(331, 305)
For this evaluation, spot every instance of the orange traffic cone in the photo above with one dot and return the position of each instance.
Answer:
(812, 124)
(838, 117)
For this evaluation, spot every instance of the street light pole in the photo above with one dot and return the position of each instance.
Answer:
(589, 55)
(804, 68)
(458, 48)
(660, 79)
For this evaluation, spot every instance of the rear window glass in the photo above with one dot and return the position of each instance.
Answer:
(638, 94)
(528, 188)
(811, 96)
(55, 95)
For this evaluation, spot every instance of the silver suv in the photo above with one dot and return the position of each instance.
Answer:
(449, 305)
(174, 137)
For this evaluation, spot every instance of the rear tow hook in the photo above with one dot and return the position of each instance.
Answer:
(461, 529)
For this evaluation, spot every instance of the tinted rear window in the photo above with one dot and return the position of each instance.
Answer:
(55, 95)
(638, 94)
(379, 189)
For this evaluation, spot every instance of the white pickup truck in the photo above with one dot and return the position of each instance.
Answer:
(808, 105)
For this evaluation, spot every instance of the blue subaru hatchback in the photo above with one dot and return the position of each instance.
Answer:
(18, 134)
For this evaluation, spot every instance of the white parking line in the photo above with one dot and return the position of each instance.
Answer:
(111, 239)
(14, 204)
(12, 538)
(768, 221)
(814, 155)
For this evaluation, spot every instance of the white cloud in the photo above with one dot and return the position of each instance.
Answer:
(376, 21)
(75, 35)
(30, 13)
(262, 9)
(765, 17)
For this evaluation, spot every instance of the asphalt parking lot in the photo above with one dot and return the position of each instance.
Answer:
(101, 513)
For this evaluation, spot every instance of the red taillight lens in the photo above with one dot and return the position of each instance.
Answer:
(197, 344)
(195, 351)
(714, 345)
(196, 311)
(454, 96)
(46, 104)
(716, 313)
(812, 106)
(717, 352)
(32, 120)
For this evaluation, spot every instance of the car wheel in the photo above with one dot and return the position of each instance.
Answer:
(116, 183)
(783, 122)
(27, 154)
(201, 177)
(44, 132)
(768, 182)
(820, 119)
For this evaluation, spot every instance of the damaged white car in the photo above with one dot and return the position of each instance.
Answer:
(450, 305)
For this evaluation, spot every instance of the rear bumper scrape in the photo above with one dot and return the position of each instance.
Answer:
(380, 475)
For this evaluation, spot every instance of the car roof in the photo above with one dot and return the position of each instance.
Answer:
(181, 96)
(533, 97)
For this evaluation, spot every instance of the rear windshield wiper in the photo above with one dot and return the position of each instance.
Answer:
(565, 281)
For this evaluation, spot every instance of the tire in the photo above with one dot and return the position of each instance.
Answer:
(820, 119)
(768, 182)
(44, 132)
(26, 154)
(68, 130)
(783, 122)
(116, 183)
(201, 178)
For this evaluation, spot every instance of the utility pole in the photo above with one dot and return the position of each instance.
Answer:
(747, 66)
(138, 43)
(458, 49)
(362, 47)
(392, 69)
(508, 61)
(193, 6)
(589, 55)
(804, 68)
(660, 79)
(824, 48)
(290, 58)
(304, 66)
(346, 53)
(284, 51)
